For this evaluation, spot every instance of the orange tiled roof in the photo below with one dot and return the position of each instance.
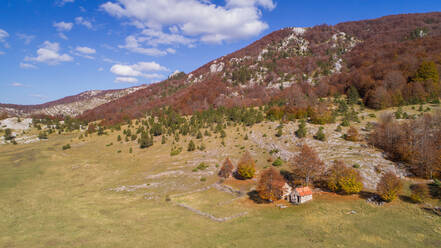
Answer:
(304, 191)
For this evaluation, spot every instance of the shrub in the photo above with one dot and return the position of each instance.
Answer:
(320, 135)
(389, 187)
(420, 192)
(191, 146)
(246, 167)
(201, 166)
(301, 131)
(175, 151)
(341, 178)
(42, 135)
(278, 162)
(352, 134)
(65, 147)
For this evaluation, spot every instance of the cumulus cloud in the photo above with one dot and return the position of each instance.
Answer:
(209, 22)
(81, 21)
(133, 45)
(85, 50)
(63, 26)
(131, 80)
(142, 69)
(49, 53)
(27, 66)
(26, 38)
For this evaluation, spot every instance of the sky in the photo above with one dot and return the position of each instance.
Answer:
(50, 49)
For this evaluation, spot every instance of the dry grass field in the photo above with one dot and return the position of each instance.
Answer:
(98, 194)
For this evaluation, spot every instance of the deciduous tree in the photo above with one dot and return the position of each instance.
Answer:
(270, 185)
(307, 165)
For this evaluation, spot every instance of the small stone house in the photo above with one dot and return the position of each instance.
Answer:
(300, 195)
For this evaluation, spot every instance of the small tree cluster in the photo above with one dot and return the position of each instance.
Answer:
(341, 178)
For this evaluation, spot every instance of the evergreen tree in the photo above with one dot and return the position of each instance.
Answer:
(118, 138)
(301, 132)
(320, 135)
(199, 135)
(191, 146)
(353, 95)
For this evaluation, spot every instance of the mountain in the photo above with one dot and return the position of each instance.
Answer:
(380, 58)
(387, 61)
(71, 105)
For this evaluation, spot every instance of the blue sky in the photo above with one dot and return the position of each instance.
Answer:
(54, 48)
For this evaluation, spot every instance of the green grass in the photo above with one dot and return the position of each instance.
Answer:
(55, 198)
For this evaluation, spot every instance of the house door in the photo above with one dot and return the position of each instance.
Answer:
(298, 199)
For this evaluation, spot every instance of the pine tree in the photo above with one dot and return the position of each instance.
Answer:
(353, 95)
(191, 146)
(320, 135)
(199, 135)
(301, 132)
(118, 138)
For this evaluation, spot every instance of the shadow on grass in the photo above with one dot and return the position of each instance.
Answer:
(407, 199)
(254, 196)
(366, 195)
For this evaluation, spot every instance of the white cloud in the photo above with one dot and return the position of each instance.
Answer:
(49, 54)
(133, 46)
(63, 26)
(125, 70)
(16, 84)
(155, 37)
(81, 21)
(209, 22)
(3, 36)
(85, 50)
(171, 50)
(26, 38)
(1, 53)
(100, 69)
(63, 36)
(131, 80)
(27, 66)
(141, 69)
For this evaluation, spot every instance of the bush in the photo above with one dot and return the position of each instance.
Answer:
(246, 167)
(175, 151)
(191, 146)
(340, 178)
(352, 134)
(320, 135)
(420, 192)
(65, 147)
(389, 187)
(201, 166)
(301, 132)
(278, 162)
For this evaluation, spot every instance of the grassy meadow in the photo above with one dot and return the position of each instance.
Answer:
(98, 194)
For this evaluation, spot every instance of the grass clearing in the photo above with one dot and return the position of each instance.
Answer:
(55, 198)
